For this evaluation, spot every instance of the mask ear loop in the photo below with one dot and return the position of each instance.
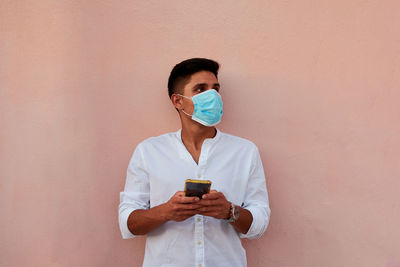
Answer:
(187, 113)
(182, 109)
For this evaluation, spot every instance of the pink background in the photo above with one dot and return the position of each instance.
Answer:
(315, 84)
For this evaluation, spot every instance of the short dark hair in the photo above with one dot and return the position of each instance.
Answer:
(182, 72)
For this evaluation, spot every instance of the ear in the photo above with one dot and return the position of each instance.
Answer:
(177, 101)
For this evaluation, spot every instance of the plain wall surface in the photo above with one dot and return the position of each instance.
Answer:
(315, 84)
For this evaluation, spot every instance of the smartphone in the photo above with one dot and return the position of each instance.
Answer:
(197, 188)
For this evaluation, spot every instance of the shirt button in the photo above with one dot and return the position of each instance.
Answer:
(198, 242)
(198, 175)
(198, 219)
(199, 264)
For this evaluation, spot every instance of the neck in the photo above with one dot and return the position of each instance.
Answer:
(193, 135)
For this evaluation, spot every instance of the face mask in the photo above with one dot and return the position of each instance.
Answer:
(207, 108)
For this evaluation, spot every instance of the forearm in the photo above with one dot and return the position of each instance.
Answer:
(178, 208)
(244, 221)
(141, 222)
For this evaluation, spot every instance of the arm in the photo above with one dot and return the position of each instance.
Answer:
(214, 204)
(178, 208)
(136, 194)
(141, 222)
(256, 199)
(135, 215)
(254, 214)
(244, 221)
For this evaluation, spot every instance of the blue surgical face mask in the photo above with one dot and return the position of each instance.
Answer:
(207, 108)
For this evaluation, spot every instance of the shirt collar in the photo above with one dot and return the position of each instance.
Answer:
(209, 141)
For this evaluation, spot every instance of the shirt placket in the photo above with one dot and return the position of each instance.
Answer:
(199, 219)
(199, 240)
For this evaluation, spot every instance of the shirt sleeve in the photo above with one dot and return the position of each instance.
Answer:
(256, 200)
(136, 194)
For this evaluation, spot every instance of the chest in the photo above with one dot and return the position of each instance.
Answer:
(194, 153)
(228, 173)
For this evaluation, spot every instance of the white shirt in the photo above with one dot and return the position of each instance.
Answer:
(159, 167)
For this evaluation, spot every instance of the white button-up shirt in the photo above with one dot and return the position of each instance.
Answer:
(159, 167)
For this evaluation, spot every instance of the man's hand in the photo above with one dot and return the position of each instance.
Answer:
(179, 207)
(214, 204)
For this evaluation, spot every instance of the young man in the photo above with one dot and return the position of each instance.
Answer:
(188, 231)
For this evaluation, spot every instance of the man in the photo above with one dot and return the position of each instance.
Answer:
(188, 231)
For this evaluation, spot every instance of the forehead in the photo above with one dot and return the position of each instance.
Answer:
(202, 77)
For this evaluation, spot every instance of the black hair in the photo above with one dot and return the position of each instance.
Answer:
(182, 71)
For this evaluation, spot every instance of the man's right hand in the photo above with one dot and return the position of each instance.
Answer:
(179, 207)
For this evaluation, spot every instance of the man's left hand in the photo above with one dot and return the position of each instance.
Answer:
(214, 204)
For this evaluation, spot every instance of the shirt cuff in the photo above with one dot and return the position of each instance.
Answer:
(258, 225)
(123, 223)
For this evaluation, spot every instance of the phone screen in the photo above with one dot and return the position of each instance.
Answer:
(197, 188)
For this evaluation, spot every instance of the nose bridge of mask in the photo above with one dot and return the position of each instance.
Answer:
(208, 99)
(202, 93)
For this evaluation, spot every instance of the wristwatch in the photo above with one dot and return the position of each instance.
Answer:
(234, 213)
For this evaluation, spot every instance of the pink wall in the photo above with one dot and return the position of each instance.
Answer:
(315, 84)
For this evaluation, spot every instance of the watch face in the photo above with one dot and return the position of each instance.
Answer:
(236, 213)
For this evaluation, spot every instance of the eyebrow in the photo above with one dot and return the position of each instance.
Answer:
(204, 84)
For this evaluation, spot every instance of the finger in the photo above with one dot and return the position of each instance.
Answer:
(180, 194)
(209, 202)
(208, 209)
(212, 195)
(184, 199)
(187, 207)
